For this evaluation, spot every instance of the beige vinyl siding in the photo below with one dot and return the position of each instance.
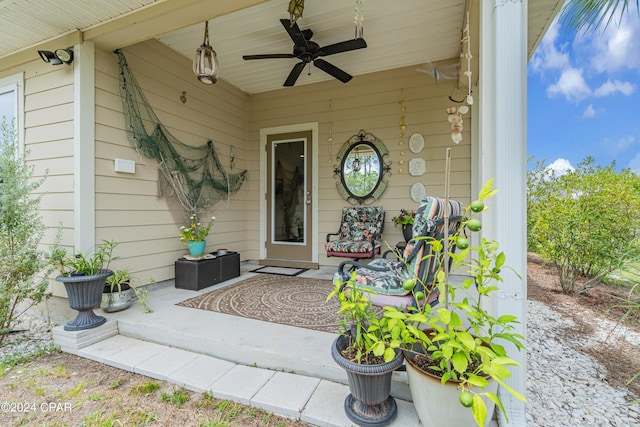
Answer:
(128, 209)
(49, 142)
(370, 102)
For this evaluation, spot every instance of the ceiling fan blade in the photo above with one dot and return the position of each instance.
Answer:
(269, 56)
(295, 33)
(342, 47)
(294, 74)
(333, 70)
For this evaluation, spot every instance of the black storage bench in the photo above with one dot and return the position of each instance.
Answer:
(199, 274)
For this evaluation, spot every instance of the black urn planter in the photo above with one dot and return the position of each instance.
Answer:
(370, 402)
(407, 231)
(85, 294)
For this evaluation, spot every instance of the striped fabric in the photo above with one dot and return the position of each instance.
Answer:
(385, 276)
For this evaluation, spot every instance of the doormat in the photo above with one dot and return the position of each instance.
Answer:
(293, 301)
(283, 271)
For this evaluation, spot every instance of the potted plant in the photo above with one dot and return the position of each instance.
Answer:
(405, 219)
(84, 277)
(120, 292)
(194, 235)
(458, 345)
(364, 352)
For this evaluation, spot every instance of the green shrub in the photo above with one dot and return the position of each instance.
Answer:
(21, 230)
(584, 222)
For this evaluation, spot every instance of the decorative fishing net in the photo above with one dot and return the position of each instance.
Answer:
(192, 175)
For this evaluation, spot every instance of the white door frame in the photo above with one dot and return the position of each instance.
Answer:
(313, 174)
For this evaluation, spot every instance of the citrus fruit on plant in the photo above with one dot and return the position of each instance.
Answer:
(462, 243)
(409, 284)
(477, 206)
(419, 296)
(474, 224)
(466, 399)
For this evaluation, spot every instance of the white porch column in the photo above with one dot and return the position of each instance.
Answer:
(84, 146)
(503, 67)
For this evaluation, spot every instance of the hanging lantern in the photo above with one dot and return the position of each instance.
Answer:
(295, 10)
(205, 63)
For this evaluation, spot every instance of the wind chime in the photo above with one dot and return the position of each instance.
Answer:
(455, 113)
(295, 9)
(403, 127)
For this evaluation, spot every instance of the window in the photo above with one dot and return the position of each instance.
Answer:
(11, 104)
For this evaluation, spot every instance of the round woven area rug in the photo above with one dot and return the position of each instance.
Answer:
(295, 301)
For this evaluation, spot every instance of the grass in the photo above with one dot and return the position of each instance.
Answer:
(97, 395)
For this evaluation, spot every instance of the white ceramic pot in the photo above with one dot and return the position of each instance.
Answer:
(438, 404)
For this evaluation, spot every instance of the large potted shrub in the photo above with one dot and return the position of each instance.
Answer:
(455, 353)
(364, 352)
(84, 276)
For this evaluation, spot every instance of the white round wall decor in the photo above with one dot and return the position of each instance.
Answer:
(417, 166)
(418, 191)
(416, 143)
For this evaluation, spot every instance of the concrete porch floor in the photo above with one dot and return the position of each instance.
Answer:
(282, 369)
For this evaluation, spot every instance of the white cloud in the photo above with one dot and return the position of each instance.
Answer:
(609, 88)
(589, 112)
(560, 167)
(618, 46)
(625, 142)
(571, 84)
(634, 164)
(548, 56)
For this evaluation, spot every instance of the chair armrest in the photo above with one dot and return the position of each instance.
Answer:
(332, 234)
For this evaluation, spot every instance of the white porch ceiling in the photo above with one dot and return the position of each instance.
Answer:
(398, 33)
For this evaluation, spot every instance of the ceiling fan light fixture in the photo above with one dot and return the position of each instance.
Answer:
(205, 63)
(295, 9)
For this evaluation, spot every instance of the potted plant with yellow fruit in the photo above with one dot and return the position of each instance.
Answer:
(456, 353)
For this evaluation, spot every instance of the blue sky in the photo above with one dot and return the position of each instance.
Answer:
(584, 96)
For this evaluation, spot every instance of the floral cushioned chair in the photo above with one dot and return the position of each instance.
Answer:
(360, 234)
(385, 276)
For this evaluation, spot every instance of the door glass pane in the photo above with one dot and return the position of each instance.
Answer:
(288, 199)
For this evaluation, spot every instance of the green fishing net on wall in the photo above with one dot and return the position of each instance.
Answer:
(192, 175)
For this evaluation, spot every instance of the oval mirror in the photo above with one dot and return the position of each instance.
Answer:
(361, 169)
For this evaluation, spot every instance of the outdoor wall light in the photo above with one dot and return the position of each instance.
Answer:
(59, 56)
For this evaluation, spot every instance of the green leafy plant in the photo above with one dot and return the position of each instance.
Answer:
(23, 266)
(405, 218)
(86, 264)
(195, 231)
(118, 279)
(122, 277)
(583, 222)
(369, 337)
(178, 397)
(460, 340)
